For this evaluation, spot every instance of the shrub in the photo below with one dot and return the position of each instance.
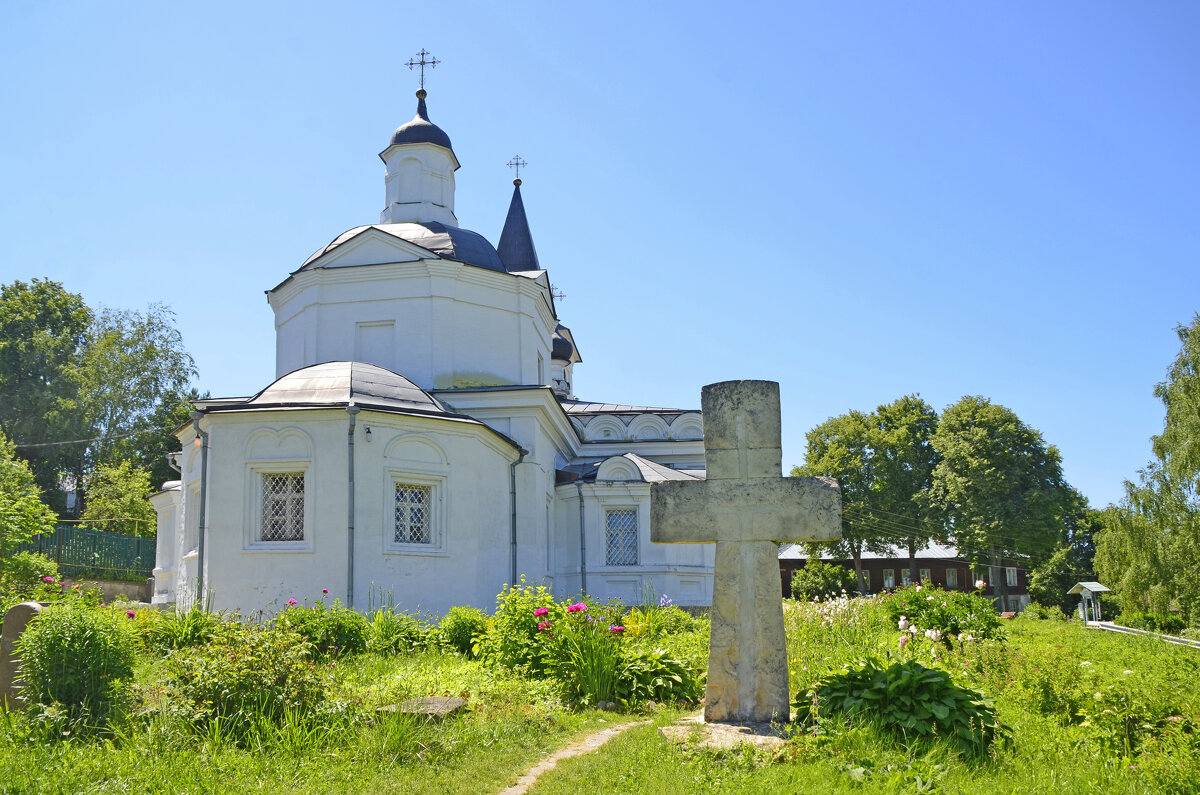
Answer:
(333, 631)
(953, 613)
(247, 675)
(74, 660)
(1039, 612)
(909, 698)
(513, 639)
(462, 626)
(24, 572)
(656, 676)
(162, 632)
(584, 643)
(393, 632)
(819, 580)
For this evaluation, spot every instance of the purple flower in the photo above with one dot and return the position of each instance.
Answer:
(616, 629)
(47, 579)
(291, 602)
(131, 614)
(541, 611)
(665, 601)
(578, 607)
(325, 590)
(543, 625)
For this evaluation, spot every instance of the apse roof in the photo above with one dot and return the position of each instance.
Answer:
(333, 384)
(447, 242)
(651, 471)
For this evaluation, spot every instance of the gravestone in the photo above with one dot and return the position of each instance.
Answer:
(747, 508)
(15, 621)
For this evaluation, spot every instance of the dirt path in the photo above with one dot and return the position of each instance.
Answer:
(587, 744)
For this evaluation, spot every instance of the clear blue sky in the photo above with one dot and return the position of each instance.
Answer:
(858, 200)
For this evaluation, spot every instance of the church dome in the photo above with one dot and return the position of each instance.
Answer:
(421, 130)
(561, 348)
(333, 384)
(443, 240)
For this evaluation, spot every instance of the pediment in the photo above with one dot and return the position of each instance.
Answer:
(370, 246)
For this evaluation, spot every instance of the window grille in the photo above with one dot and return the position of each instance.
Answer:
(283, 507)
(621, 546)
(412, 514)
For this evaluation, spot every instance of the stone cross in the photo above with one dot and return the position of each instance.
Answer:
(746, 507)
(15, 621)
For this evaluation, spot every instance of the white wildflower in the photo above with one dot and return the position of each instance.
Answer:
(903, 623)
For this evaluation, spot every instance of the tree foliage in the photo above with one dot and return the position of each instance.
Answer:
(117, 499)
(22, 512)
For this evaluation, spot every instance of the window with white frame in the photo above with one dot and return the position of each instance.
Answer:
(925, 575)
(951, 578)
(906, 576)
(413, 514)
(1010, 576)
(889, 578)
(620, 537)
(282, 506)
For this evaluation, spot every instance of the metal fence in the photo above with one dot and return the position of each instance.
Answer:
(83, 552)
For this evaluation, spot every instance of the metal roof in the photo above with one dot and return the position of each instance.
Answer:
(420, 130)
(575, 407)
(516, 243)
(447, 242)
(651, 471)
(334, 384)
(930, 550)
(1094, 587)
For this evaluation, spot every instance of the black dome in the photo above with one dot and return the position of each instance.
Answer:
(561, 347)
(421, 130)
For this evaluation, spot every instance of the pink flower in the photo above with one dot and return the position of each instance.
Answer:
(578, 607)
(130, 613)
(541, 611)
(903, 642)
(543, 625)
(325, 590)
(47, 579)
(616, 629)
(291, 602)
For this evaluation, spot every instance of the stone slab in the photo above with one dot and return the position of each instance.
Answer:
(15, 621)
(695, 731)
(432, 707)
(752, 509)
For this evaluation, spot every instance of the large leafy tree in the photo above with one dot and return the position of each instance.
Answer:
(998, 487)
(22, 512)
(117, 499)
(43, 331)
(1178, 446)
(903, 462)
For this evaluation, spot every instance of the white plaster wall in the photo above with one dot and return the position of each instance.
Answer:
(166, 504)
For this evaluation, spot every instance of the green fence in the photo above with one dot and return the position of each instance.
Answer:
(83, 552)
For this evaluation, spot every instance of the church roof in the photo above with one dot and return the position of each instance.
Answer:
(578, 407)
(447, 242)
(562, 346)
(516, 243)
(420, 130)
(333, 384)
(648, 470)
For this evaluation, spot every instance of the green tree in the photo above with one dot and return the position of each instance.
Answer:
(1178, 446)
(43, 329)
(820, 579)
(997, 488)
(117, 499)
(22, 512)
(903, 461)
(840, 448)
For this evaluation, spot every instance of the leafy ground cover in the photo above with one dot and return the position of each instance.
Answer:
(1063, 708)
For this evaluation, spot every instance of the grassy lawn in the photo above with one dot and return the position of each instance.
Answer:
(1087, 711)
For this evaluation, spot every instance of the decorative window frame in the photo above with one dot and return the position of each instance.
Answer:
(255, 471)
(432, 476)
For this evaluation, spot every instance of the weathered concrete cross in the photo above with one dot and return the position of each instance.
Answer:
(747, 507)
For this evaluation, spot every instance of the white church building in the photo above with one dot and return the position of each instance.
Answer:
(422, 438)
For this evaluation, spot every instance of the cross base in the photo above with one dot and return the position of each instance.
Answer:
(747, 657)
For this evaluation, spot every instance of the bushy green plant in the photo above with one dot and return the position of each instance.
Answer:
(24, 572)
(164, 631)
(333, 630)
(513, 638)
(462, 626)
(247, 675)
(953, 613)
(820, 580)
(74, 661)
(584, 643)
(908, 698)
(395, 632)
(655, 675)
(1039, 612)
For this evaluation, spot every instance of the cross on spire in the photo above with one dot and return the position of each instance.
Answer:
(517, 163)
(431, 63)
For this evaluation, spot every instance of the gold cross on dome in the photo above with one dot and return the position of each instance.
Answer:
(431, 63)
(516, 163)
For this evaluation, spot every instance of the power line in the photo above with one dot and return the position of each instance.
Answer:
(88, 441)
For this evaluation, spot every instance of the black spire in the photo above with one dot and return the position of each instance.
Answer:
(516, 244)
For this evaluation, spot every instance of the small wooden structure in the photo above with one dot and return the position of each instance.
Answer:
(1089, 593)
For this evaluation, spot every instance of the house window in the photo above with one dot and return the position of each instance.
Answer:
(906, 576)
(925, 575)
(951, 578)
(889, 578)
(282, 506)
(1010, 576)
(866, 581)
(412, 514)
(620, 544)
